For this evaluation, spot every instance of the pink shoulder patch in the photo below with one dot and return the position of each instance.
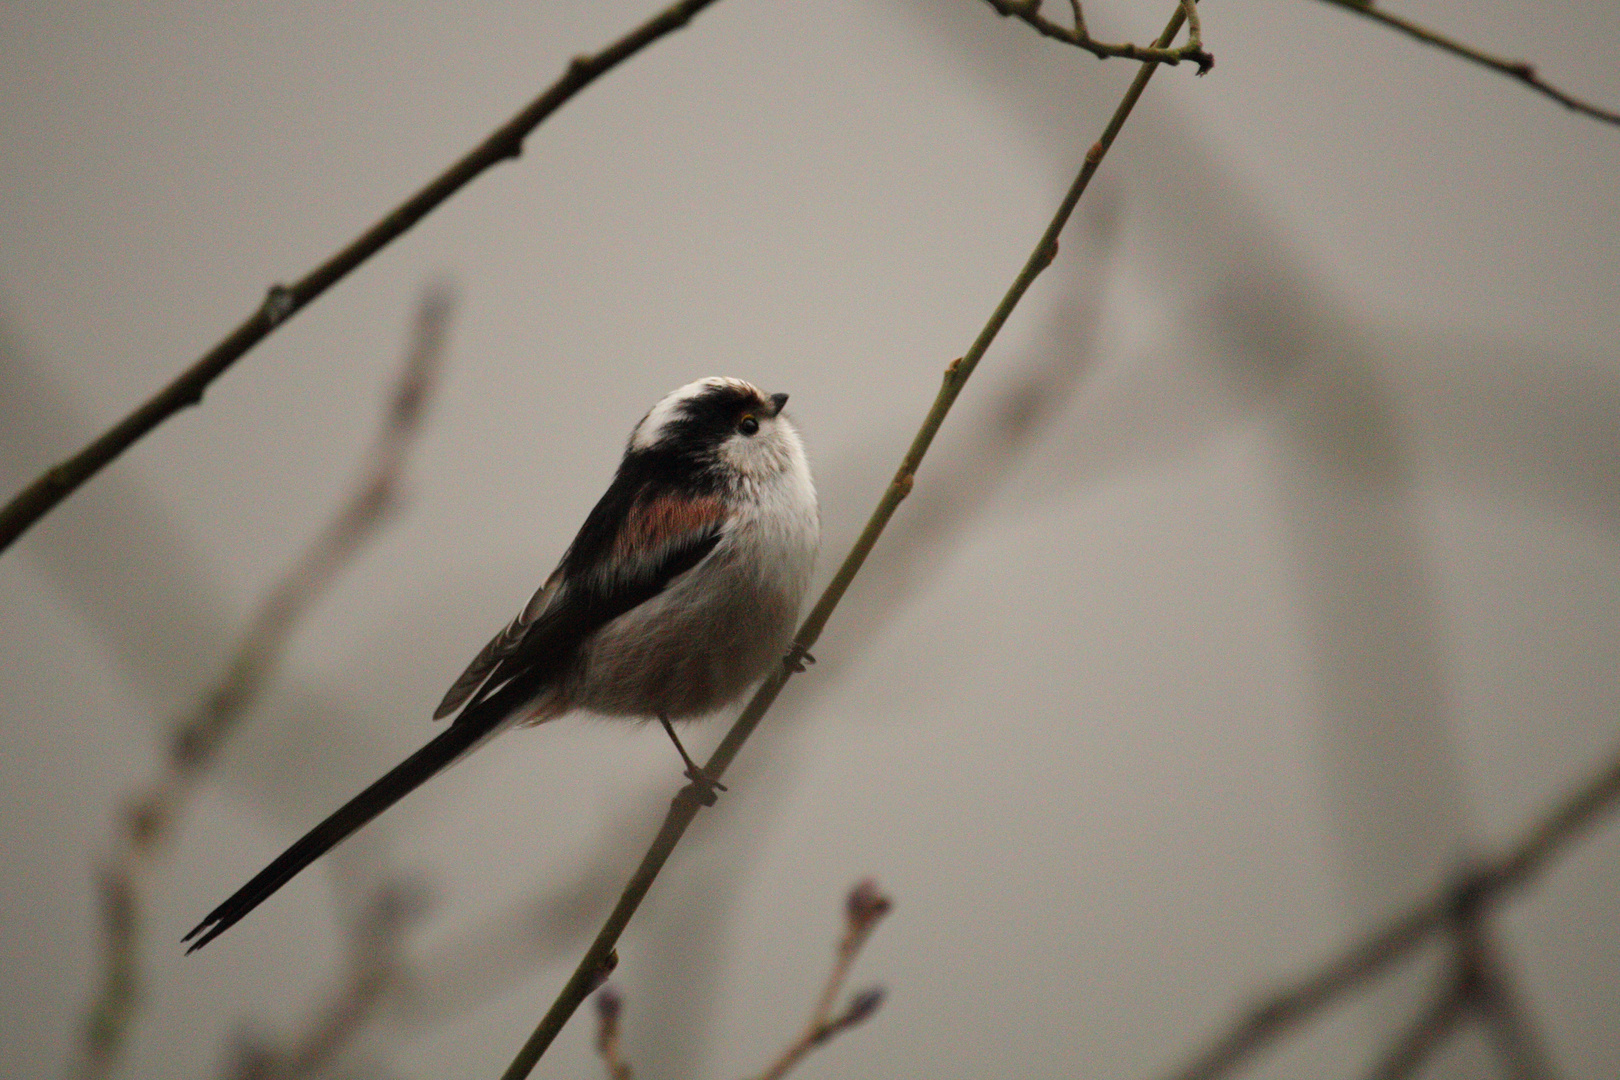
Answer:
(664, 520)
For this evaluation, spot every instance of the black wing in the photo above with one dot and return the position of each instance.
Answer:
(606, 572)
(501, 646)
(643, 533)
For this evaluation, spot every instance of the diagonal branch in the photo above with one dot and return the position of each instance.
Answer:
(686, 804)
(1520, 70)
(283, 301)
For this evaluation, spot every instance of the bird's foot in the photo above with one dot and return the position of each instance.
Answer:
(798, 660)
(703, 785)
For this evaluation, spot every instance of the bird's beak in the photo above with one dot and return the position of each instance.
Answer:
(778, 400)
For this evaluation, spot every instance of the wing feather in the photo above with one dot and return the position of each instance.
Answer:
(609, 571)
(499, 648)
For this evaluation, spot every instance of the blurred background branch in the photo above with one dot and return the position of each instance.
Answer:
(1521, 70)
(374, 969)
(1475, 980)
(147, 822)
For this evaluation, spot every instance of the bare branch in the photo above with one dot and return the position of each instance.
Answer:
(1484, 983)
(1465, 899)
(686, 804)
(863, 910)
(1476, 985)
(281, 302)
(150, 816)
(1029, 12)
(1520, 70)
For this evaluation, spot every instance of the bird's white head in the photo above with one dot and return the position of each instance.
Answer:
(725, 423)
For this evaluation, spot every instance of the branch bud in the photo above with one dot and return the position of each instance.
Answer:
(864, 906)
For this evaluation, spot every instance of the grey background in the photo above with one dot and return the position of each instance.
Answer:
(1269, 569)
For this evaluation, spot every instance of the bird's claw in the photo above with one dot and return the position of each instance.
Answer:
(704, 785)
(798, 661)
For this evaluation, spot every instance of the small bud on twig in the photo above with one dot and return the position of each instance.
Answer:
(858, 1011)
(602, 973)
(865, 906)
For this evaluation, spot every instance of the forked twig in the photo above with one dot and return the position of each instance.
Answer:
(864, 908)
(1029, 12)
(1473, 986)
(1521, 70)
(281, 302)
(686, 804)
(149, 818)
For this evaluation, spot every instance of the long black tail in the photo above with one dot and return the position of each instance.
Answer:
(400, 781)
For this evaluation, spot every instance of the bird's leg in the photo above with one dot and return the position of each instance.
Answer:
(706, 784)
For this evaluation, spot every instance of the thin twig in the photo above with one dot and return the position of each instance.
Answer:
(1521, 70)
(863, 910)
(686, 804)
(149, 818)
(1375, 954)
(1029, 12)
(281, 302)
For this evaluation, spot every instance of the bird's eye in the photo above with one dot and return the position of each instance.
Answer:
(748, 425)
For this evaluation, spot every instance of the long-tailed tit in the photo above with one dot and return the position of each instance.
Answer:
(681, 589)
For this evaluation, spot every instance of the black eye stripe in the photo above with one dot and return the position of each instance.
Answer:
(713, 414)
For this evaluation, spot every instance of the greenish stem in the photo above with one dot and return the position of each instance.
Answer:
(686, 804)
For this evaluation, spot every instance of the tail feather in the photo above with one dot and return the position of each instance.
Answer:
(400, 781)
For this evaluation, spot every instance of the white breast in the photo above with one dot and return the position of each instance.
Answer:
(718, 627)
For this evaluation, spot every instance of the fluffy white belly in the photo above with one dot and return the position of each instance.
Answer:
(700, 643)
